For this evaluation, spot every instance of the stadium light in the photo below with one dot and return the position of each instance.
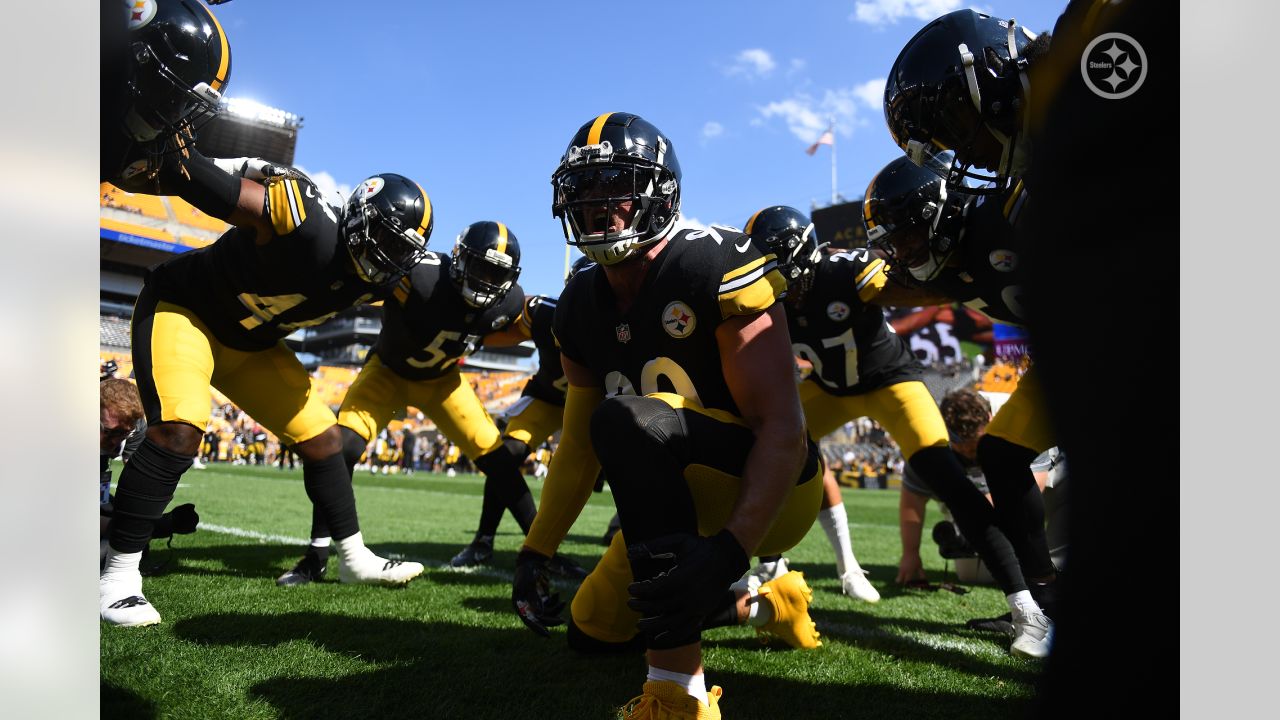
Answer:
(254, 110)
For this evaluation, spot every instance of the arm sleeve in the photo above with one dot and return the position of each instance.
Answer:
(196, 179)
(572, 474)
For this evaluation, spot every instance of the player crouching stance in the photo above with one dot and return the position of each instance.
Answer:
(218, 316)
(680, 386)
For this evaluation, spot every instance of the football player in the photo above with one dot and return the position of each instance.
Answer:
(860, 366)
(529, 422)
(961, 247)
(671, 346)
(218, 316)
(165, 66)
(440, 313)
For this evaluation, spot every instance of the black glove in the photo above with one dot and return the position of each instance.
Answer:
(675, 602)
(531, 594)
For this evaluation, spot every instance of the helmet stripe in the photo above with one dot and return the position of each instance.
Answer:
(1013, 197)
(502, 238)
(593, 137)
(426, 211)
(752, 221)
(866, 202)
(224, 61)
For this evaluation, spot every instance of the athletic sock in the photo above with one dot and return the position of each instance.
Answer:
(835, 523)
(695, 685)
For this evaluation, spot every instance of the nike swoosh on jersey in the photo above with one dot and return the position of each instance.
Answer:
(743, 247)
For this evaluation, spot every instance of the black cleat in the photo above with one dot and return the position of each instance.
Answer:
(1002, 625)
(477, 553)
(309, 569)
(566, 567)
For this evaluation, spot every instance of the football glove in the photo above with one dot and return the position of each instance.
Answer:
(674, 603)
(531, 594)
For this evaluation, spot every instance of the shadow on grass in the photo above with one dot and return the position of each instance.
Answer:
(117, 702)
(444, 670)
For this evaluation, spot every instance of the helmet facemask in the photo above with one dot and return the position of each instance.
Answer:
(918, 251)
(483, 279)
(965, 127)
(382, 251)
(171, 104)
(798, 251)
(592, 186)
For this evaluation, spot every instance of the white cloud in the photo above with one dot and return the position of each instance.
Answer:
(884, 12)
(752, 63)
(871, 93)
(712, 129)
(336, 193)
(807, 116)
(692, 222)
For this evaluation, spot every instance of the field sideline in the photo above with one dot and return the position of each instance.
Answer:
(233, 645)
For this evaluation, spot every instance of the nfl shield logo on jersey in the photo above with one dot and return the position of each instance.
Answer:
(838, 310)
(624, 333)
(678, 320)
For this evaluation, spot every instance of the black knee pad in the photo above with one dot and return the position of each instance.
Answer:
(581, 642)
(626, 428)
(352, 447)
(504, 460)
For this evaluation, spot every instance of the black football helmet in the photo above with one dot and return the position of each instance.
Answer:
(486, 263)
(386, 225)
(616, 158)
(180, 63)
(788, 234)
(910, 217)
(582, 263)
(956, 97)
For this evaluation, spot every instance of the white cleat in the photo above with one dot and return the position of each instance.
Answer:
(856, 585)
(373, 570)
(120, 600)
(1033, 635)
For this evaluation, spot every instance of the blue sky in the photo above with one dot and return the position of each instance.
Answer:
(478, 101)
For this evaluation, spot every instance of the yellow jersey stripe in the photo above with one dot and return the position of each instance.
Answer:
(502, 238)
(597, 127)
(752, 222)
(754, 293)
(871, 281)
(282, 201)
(743, 270)
(224, 61)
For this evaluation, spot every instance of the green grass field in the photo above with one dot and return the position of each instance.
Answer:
(233, 645)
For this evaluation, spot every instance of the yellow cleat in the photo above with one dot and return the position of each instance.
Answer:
(665, 700)
(789, 596)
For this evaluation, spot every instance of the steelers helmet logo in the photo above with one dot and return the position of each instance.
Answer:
(678, 320)
(140, 12)
(135, 168)
(838, 310)
(1003, 260)
(370, 187)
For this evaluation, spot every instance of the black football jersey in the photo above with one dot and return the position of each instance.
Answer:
(251, 296)
(427, 327)
(666, 342)
(985, 274)
(549, 383)
(850, 344)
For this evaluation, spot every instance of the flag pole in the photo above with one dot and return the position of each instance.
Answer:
(833, 160)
